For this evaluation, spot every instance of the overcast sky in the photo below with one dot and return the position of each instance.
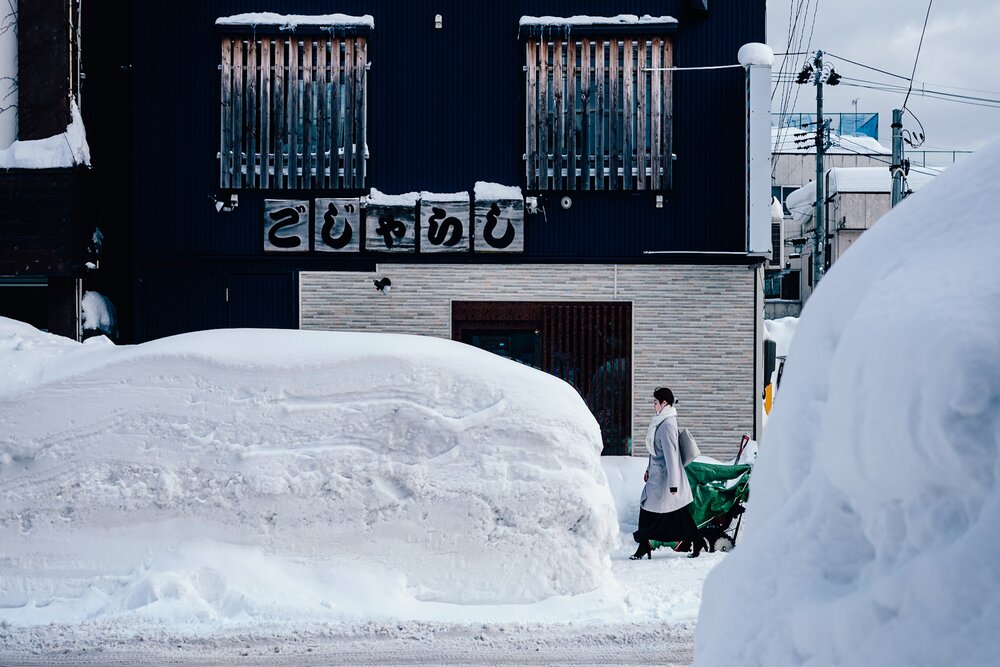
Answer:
(961, 50)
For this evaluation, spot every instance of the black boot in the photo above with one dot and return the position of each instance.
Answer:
(645, 549)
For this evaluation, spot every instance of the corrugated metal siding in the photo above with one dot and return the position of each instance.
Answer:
(446, 108)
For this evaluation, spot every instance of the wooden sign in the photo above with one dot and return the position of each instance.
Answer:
(444, 225)
(391, 227)
(286, 225)
(499, 225)
(338, 225)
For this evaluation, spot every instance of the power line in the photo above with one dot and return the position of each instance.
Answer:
(919, 46)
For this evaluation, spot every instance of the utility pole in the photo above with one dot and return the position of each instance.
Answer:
(897, 156)
(820, 245)
(817, 73)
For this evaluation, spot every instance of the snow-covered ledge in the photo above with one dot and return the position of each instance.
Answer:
(530, 26)
(68, 149)
(291, 22)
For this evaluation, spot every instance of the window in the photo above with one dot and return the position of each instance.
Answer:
(782, 284)
(598, 109)
(294, 107)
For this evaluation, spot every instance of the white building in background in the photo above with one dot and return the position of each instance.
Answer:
(856, 197)
(788, 280)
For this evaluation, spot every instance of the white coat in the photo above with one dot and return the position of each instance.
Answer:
(665, 469)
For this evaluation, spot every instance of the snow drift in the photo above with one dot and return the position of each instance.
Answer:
(251, 474)
(874, 517)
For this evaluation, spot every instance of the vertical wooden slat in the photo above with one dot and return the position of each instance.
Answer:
(628, 115)
(226, 117)
(280, 124)
(309, 114)
(655, 132)
(572, 103)
(265, 112)
(559, 103)
(336, 99)
(641, 109)
(585, 94)
(348, 115)
(293, 117)
(531, 114)
(251, 180)
(360, 104)
(238, 92)
(544, 114)
(614, 129)
(600, 74)
(666, 152)
(322, 111)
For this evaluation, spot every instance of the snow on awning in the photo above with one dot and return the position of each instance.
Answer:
(533, 26)
(297, 23)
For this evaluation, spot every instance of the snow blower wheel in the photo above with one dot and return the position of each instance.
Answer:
(722, 543)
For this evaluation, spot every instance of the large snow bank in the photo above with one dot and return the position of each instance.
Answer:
(874, 517)
(251, 474)
(68, 149)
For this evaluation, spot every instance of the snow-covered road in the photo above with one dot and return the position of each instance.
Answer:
(654, 625)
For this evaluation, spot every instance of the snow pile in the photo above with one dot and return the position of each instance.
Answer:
(875, 509)
(252, 474)
(781, 331)
(99, 314)
(68, 149)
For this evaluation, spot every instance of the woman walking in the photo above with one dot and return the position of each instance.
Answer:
(663, 510)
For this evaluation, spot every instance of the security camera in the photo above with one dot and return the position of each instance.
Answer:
(531, 204)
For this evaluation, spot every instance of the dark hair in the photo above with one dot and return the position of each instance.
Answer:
(664, 395)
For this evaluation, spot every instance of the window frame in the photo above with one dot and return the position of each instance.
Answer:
(327, 102)
(631, 98)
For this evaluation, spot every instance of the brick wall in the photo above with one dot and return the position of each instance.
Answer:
(693, 326)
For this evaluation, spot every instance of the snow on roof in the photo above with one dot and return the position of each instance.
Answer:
(445, 196)
(582, 20)
(841, 180)
(68, 149)
(755, 53)
(783, 140)
(485, 191)
(291, 21)
(377, 198)
(872, 527)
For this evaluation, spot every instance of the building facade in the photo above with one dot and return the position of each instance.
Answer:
(535, 178)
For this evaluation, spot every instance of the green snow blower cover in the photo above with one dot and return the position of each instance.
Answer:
(716, 488)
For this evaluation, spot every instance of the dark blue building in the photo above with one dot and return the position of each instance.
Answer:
(564, 183)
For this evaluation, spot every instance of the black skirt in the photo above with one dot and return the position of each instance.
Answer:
(676, 526)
